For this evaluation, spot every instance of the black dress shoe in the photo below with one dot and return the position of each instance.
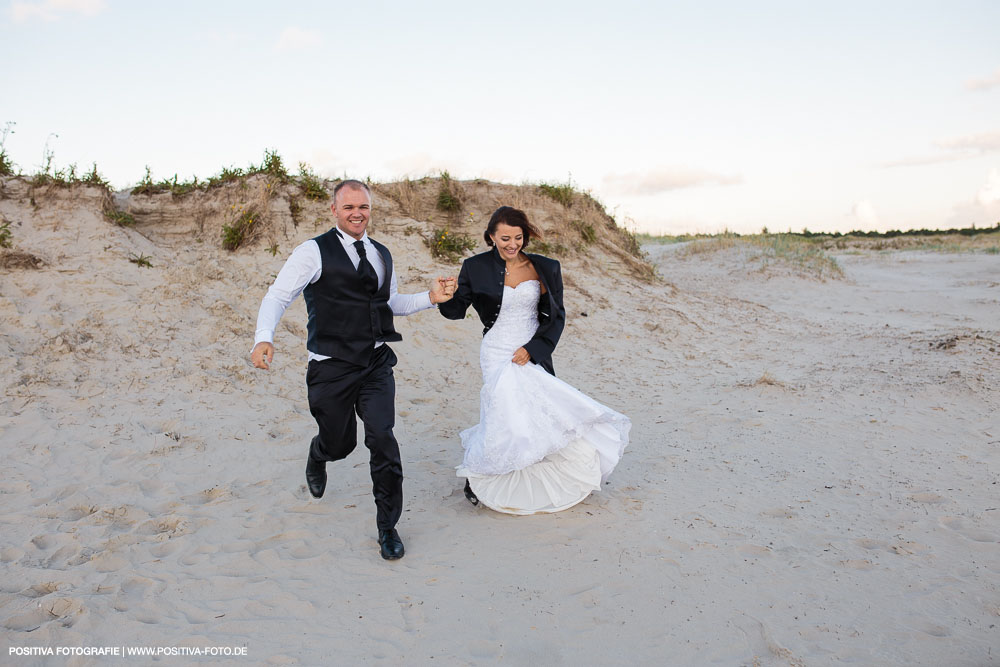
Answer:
(391, 545)
(469, 494)
(316, 477)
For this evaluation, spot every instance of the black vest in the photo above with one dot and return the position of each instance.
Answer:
(345, 320)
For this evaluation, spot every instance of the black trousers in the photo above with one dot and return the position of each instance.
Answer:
(338, 390)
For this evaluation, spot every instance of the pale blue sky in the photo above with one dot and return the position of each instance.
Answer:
(678, 116)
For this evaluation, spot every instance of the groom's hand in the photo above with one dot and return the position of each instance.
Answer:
(262, 355)
(521, 356)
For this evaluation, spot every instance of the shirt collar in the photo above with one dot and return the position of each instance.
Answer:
(349, 240)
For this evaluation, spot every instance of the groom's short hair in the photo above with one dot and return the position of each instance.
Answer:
(353, 185)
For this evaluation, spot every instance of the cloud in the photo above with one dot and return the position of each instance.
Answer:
(53, 10)
(297, 39)
(989, 194)
(985, 83)
(418, 165)
(926, 159)
(415, 164)
(665, 179)
(958, 148)
(984, 209)
(865, 213)
(986, 142)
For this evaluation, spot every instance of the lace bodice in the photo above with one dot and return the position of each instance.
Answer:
(518, 318)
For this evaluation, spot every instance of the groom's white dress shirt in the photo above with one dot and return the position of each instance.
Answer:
(305, 266)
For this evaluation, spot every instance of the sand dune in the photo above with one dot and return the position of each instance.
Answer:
(813, 478)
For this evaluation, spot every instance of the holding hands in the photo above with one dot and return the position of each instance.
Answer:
(443, 289)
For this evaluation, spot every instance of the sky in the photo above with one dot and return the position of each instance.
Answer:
(679, 117)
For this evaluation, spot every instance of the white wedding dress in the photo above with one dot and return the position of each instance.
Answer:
(540, 445)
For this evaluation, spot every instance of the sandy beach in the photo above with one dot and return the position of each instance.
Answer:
(813, 476)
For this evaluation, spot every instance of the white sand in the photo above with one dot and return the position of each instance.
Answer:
(812, 480)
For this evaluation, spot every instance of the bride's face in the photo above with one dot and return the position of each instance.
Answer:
(508, 240)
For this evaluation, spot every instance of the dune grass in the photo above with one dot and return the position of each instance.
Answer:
(448, 199)
(788, 250)
(812, 252)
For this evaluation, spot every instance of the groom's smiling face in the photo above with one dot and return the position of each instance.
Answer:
(352, 208)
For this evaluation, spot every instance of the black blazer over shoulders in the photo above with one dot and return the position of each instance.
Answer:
(480, 284)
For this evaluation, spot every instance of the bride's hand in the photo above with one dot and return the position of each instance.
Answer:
(521, 356)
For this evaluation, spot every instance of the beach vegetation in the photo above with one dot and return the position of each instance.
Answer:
(560, 192)
(272, 166)
(241, 229)
(790, 250)
(140, 260)
(966, 239)
(6, 236)
(225, 175)
(586, 231)
(120, 218)
(273, 249)
(94, 177)
(547, 248)
(447, 199)
(295, 209)
(449, 246)
(6, 164)
(311, 184)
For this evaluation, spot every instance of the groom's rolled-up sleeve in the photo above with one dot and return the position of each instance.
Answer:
(302, 268)
(406, 304)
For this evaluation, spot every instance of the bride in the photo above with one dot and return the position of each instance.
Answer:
(540, 445)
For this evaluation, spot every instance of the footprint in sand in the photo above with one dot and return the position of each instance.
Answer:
(170, 526)
(44, 542)
(164, 549)
(929, 498)
(196, 556)
(11, 554)
(857, 564)
(208, 495)
(413, 614)
(78, 512)
(975, 534)
(65, 611)
(932, 629)
(108, 562)
(132, 593)
(41, 590)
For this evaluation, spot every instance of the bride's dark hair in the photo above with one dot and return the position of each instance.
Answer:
(508, 215)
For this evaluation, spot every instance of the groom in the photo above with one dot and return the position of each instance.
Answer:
(349, 285)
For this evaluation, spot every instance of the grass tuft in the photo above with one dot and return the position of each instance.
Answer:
(295, 209)
(226, 175)
(545, 248)
(140, 260)
(241, 230)
(272, 165)
(6, 165)
(6, 237)
(560, 192)
(311, 184)
(448, 246)
(447, 199)
(586, 231)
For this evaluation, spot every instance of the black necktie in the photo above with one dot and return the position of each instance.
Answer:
(365, 269)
